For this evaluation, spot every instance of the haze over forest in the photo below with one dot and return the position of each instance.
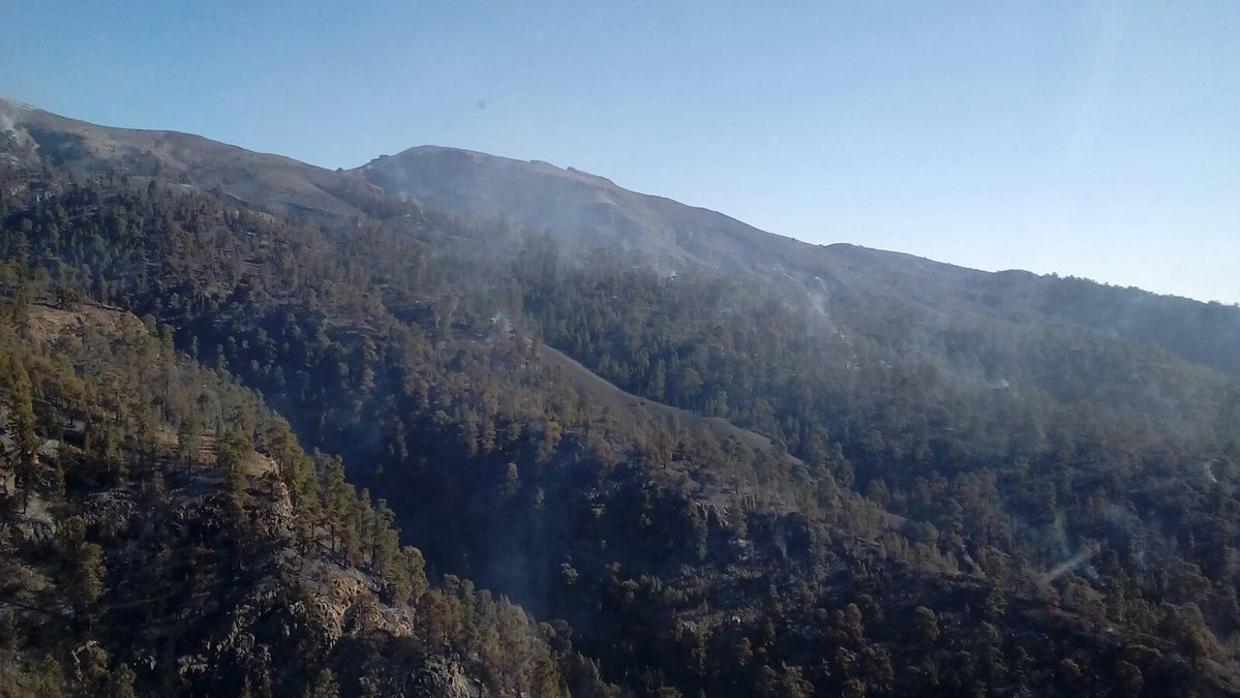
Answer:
(1095, 140)
(448, 423)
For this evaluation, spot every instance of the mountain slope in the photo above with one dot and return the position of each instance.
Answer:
(580, 209)
(585, 211)
(278, 184)
(253, 597)
(985, 499)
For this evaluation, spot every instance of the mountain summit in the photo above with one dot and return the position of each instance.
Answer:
(579, 208)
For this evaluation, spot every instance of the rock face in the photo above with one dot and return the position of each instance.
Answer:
(447, 678)
(345, 602)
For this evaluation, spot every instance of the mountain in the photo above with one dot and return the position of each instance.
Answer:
(585, 211)
(781, 470)
(579, 208)
(278, 184)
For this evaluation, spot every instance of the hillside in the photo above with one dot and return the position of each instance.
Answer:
(585, 211)
(872, 475)
(253, 595)
(602, 394)
(278, 184)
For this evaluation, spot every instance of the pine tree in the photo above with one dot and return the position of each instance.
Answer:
(338, 504)
(367, 523)
(121, 682)
(84, 564)
(26, 465)
(927, 624)
(49, 680)
(189, 442)
(323, 686)
(231, 452)
(386, 542)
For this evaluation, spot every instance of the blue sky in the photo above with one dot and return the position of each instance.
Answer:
(1097, 139)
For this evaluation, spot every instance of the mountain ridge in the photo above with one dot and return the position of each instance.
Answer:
(584, 211)
(9, 105)
(569, 206)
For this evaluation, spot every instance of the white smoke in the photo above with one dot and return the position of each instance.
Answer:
(1209, 468)
(1073, 561)
(1070, 564)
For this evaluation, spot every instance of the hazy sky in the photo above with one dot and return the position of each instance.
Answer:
(1093, 139)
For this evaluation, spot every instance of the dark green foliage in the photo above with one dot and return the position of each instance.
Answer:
(122, 586)
(324, 686)
(926, 501)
